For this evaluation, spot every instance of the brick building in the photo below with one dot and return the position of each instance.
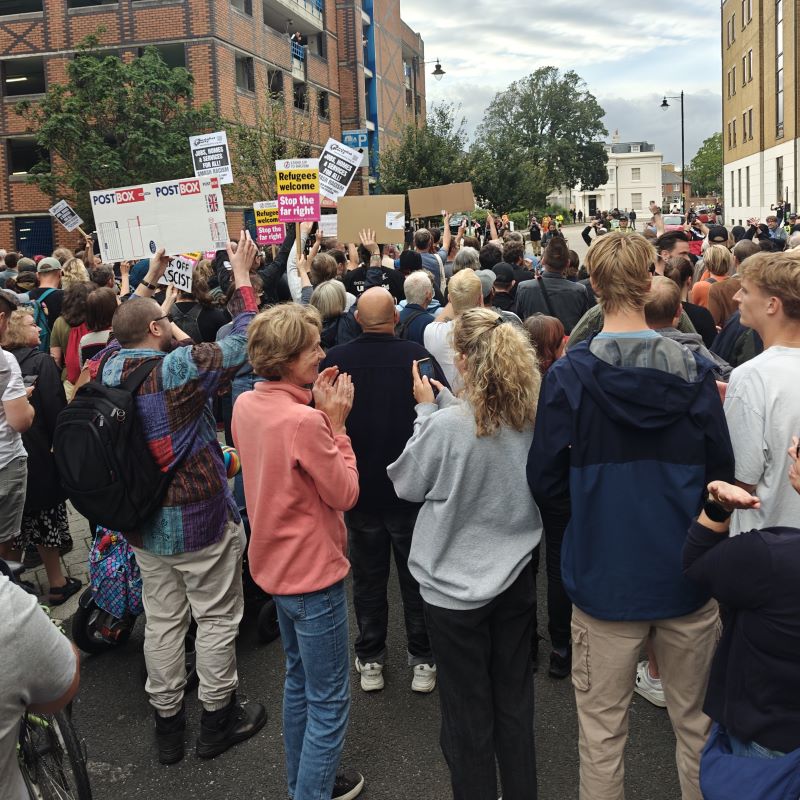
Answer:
(237, 50)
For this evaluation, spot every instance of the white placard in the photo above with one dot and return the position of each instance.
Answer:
(338, 164)
(179, 273)
(66, 215)
(181, 216)
(211, 156)
(329, 225)
(396, 220)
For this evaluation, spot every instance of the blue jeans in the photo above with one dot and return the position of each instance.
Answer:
(242, 384)
(316, 694)
(751, 749)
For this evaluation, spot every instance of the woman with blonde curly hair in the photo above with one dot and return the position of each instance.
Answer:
(472, 549)
(73, 272)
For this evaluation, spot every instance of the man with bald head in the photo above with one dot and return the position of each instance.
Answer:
(380, 424)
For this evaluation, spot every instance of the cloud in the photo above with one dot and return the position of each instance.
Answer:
(628, 57)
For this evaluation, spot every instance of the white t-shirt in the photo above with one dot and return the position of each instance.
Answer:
(37, 665)
(438, 342)
(11, 446)
(763, 412)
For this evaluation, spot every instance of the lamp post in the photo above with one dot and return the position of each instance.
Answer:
(665, 106)
(438, 72)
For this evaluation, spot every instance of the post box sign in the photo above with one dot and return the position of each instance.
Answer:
(181, 216)
(297, 184)
(211, 156)
(268, 229)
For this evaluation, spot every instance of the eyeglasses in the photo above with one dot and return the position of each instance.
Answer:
(158, 319)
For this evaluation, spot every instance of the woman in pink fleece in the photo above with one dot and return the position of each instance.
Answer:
(299, 476)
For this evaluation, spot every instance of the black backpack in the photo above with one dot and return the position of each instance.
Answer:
(102, 457)
(401, 329)
(188, 321)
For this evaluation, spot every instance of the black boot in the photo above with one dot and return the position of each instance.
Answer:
(169, 736)
(222, 729)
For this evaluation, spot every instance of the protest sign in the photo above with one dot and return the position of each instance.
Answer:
(338, 164)
(179, 272)
(211, 156)
(328, 224)
(66, 215)
(181, 216)
(268, 229)
(431, 201)
(297, 183)
(383, 213)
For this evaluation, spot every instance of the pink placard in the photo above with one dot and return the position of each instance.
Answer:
(270, 234)
(303, 207)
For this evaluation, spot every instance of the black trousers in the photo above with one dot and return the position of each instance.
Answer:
(485, 678)
(372, 537)
(559, 606)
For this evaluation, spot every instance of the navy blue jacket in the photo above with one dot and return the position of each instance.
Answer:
(382, 418)
(633, 450)
(416, 329)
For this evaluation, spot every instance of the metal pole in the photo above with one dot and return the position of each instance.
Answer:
(683, 161)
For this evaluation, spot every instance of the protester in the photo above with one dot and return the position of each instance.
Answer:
(330, 299)
(471, 552)
(66, 335)
(415, 317)
(720, 295)
(101, 305)
(49, 295)
(196, 314)
(73, 271)
(9, 271)
(630, 412)
(547, 337)
(699, 319)
(718, 262)
(300, 475)
(504, 287)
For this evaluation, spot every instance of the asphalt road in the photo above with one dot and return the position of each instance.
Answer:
(392, 738)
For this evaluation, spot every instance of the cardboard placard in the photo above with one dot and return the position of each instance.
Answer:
(211, 156)
(338, 165)
(431, 201)
(329, 225)
(297, 184)
(181, 216)
(66, 215)
(356, 212)
(268, 229)
(179, 272)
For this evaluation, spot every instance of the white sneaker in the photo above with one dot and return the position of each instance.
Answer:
(371, 676)
(648, 687)
(424, 678)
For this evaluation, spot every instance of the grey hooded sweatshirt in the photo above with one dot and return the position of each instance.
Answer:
(694, 341)
(477, 528)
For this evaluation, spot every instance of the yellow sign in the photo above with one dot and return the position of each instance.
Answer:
(266, 212)
(294, 181)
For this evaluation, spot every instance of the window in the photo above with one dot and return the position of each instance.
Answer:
(245, 74)
(750, 123)
(323, 105)
(245, 6)
(739, 179)
(747, 12)
(409, 98)
(732, 29)
(733, 203)
(636, 173)
(778, 69)
(635, 148)
(749, 65)
(610, 174)
(21, 7)
(636, 200)
(733, 126)
(779, 178)
(174, 55)
(744, 126)
(316, 45)
(23, 76)
(747, 184)
(89, 3)
(300, 96)
(24, 154)
(730, 139)
(732, 89)
(275, 80)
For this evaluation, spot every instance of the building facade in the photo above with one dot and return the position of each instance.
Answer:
(671, 187)
(238, 51)
(634, 180)
(759, 107)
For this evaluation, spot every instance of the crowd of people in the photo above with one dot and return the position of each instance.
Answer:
(383, 404)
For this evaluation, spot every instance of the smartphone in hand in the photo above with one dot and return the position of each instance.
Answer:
(425, 367)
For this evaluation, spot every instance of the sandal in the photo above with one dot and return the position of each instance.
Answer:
(60, 594)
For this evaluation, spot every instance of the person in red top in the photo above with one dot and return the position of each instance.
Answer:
(300, 476)
(718, 263)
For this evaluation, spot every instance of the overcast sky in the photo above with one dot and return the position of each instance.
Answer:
(629, 54)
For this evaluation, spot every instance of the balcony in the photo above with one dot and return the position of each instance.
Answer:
(298, 61)
(306, 15)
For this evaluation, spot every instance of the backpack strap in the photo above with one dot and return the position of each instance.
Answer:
(540, 280)
(402, 327)
(137, 377)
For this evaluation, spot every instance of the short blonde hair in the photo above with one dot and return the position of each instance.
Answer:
(619, 266)
(501, 376)
(16, 334)
(329, 298)
(63, 254)
(73, 271)
(777, 274)
(663, 302)
(717, 259)
(464, 290)
(278, 335)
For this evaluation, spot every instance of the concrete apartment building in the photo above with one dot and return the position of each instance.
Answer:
(362, 68)
(759, 106)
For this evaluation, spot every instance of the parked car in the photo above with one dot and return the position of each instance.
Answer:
(673, 222)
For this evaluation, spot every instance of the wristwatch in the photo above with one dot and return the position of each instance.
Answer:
(715, 512)
(153, 287)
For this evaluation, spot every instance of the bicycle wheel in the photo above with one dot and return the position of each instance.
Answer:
(51, 758)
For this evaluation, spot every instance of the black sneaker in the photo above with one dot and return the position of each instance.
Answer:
(560, 665)
(32, 558)
(348, 784)
(220, 730)
(169, 737)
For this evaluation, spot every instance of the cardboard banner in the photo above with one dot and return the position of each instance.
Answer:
(211, 156)
(329, 225)
(338, 165)
(268, 229)
(179, 272)
(297, 184)
(66, 215)
(430, 202)
(383, 213)
(181, 216)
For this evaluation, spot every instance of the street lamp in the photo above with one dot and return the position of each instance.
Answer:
(665, 106)
(438, 72)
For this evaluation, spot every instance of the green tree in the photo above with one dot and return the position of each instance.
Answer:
(432, 154)
(705, 171)
(114, 124)
(542, 132)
